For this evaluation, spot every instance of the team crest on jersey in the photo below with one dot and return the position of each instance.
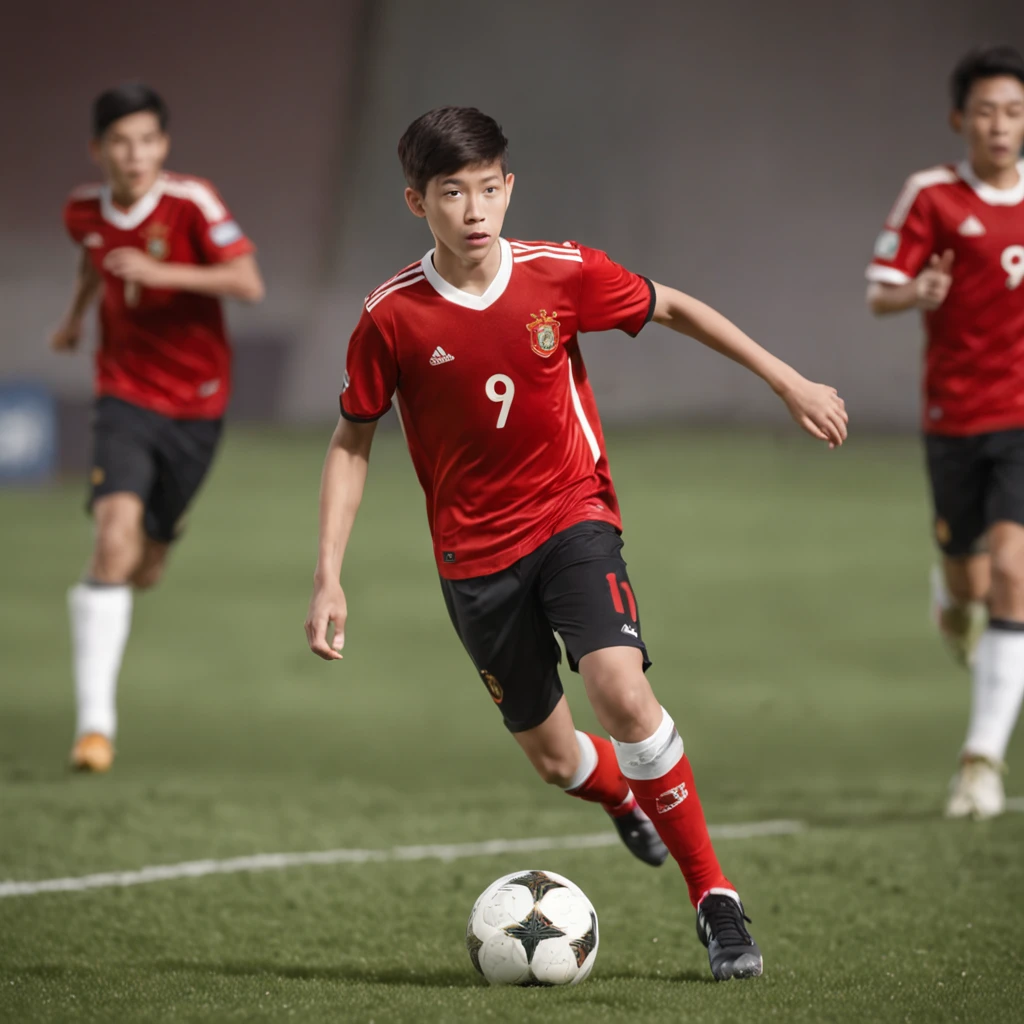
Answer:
(544, 333)
(156, 241)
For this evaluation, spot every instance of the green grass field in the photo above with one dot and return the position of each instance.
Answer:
(784, 599)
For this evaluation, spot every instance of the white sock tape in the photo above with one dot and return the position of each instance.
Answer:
(588, 761)
(653, 757)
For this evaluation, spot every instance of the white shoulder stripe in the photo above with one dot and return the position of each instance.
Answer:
(401, 275)
(199, 193)
(376, 300)
(564, 255)
(914, 186)
(523, 247)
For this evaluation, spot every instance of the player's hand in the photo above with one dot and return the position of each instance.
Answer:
(933, 282)
(818, 409)
(135, 267)
(327, 607)
(65, 338)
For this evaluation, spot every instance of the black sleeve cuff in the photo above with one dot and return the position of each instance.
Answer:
(650, 307)
(360, 419)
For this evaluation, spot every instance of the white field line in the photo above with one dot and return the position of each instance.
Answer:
(1015, 803)
(279, 861)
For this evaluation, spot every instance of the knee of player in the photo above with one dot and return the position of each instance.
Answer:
(633, 711)
(147, 576)
(1008, 571)
(554, 770)
(115, 556)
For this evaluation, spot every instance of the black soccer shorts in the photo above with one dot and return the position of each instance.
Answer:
(575, 584)
(162, 460)
(976, 481)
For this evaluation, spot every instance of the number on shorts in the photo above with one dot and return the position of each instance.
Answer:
(613, 587)
(1013, 263)
(505, 396)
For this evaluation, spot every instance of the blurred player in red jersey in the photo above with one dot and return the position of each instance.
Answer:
(953, 247)
(479, 341)
(162, 251)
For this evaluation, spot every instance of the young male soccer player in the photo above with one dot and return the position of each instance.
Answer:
(953, 247)
(162, 250)
(480, 341)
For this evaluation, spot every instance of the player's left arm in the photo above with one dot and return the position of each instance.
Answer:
(238, 278)
(815, 407)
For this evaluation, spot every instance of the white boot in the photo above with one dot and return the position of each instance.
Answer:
(976, 791)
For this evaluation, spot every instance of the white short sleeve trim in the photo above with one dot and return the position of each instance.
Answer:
(886, 275)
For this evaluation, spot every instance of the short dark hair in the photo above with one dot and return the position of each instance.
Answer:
(448, 138)
(122, 100)
(984, 62)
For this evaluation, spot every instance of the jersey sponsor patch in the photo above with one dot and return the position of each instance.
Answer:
(887, 245)
(225, 233)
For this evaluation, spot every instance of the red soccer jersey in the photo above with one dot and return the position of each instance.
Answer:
(163, 350)
(974, 364)
(493, 396)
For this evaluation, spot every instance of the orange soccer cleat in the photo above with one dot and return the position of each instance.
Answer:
(92, 752)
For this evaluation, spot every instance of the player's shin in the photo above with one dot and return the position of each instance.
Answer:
(598, 778)
(100, 622)
(662, 781)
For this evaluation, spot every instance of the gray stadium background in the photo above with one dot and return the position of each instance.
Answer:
(744, 151)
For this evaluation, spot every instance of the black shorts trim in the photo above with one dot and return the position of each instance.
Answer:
(575, 585)
(162, 460)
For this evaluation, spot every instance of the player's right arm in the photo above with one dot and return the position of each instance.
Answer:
(906, 272)
(370, 380)
(85, 289)
(341, 492)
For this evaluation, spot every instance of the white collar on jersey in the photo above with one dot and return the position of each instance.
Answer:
(989, 193)
(127, 220)
(494, 290)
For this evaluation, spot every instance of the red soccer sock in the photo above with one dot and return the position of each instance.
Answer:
(605, 784)
(670, 800)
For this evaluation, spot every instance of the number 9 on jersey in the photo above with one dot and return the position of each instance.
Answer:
(504, 396)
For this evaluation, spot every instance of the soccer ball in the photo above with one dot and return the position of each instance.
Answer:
(532, 928)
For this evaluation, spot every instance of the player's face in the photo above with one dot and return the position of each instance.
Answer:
(465, 210)
(131, 153)
(992, 122)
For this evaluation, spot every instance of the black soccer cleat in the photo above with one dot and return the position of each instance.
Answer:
(721, 926)
(641, 838)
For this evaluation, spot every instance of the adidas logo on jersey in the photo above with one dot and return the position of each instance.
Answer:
(440, 356)
(93, 240)
(971, 228)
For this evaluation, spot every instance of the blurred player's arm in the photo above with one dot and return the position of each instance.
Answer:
(239, 278)
(341, 492)
(817, 408)
(926, 291)
(86, 288)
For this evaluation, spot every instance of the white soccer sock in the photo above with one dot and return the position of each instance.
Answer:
(101, 618)
(997, 691)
